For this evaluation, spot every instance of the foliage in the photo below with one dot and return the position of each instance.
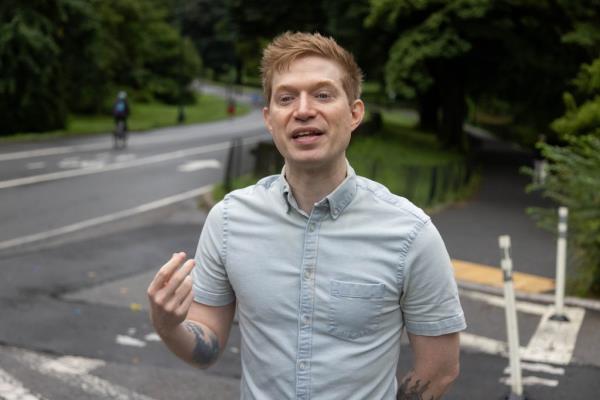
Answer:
(64, 56)
(574, 181)
(448, 51)
(31, 84)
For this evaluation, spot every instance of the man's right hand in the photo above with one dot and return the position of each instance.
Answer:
(170, 294)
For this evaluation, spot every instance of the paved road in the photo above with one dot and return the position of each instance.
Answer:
(73, 319)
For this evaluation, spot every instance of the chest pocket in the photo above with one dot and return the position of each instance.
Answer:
(354, 308)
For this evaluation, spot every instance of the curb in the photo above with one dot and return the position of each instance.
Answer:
(588, 304)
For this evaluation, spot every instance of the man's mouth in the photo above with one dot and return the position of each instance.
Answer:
(306, 133)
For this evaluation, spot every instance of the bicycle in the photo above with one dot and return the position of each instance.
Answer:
(120, 135)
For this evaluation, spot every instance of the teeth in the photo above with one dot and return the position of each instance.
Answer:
(307, 133)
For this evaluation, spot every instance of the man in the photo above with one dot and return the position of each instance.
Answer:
(326, 268)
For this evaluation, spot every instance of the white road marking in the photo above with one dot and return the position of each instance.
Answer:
(35, 165)
(125, 340)
(51, 151)
(483, 344)
(198, 165)
(72, 365)
(152, 337)
(554, 341)
(157, 158)
(13, 389)
(532, 381)
(105, 218)
(538, 367)
(498, 301)
(78, 378)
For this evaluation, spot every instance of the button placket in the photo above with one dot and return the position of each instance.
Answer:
(306, 308)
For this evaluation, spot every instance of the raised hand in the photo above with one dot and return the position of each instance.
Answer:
(170, 294)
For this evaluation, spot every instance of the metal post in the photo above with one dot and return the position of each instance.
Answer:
(512, 328)
(561, 265)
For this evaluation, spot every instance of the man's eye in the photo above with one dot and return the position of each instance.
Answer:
(323, 96)
(285, 99)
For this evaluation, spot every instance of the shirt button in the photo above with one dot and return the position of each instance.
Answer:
(302, 365)
(305, 319)
(311, 227)
(307, 274)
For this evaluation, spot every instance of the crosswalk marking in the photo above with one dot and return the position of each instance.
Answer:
(13, 389)
(538, 367)
(498, 301)
(66, 371)
(532, 381)
(554, 341)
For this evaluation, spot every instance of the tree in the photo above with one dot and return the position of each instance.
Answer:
(574, 165)
(448, 51)
(32, 93)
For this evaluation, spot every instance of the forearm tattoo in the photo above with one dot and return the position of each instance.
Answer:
(206, 349)
(414, 392)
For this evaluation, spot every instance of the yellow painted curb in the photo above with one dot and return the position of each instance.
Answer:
(492, 276)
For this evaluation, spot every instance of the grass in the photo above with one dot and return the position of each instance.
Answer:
(144, 116)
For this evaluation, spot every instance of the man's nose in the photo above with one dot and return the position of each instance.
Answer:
(305, 108)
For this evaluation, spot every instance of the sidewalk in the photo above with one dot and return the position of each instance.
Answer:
(471, 229)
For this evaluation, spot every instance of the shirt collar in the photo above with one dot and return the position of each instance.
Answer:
(337, 201)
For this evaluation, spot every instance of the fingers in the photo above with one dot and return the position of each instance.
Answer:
(186, 303)
(178, 277)
(165, 272)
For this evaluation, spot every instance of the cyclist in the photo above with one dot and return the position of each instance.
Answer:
(121, 112)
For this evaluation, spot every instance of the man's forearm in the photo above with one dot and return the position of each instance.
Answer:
(194, 343)
(415, 387)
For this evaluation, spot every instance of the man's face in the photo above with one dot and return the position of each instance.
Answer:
(309, 114)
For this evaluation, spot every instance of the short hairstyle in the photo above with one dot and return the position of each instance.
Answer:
(288, 47)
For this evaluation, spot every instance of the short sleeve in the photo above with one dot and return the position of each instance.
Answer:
(430, 302)
(210, 282)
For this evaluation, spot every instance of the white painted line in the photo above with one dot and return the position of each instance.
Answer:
(532, 381)
(537, 367)
(554, 341)
(105, 218)
(81, 379)
(483, 344)
(51, 151)
(120, 165)
(198, 165)
(72, 365)
(498, 301)
(35, 165)
(13, 389)
(129, 341)
(152, 337)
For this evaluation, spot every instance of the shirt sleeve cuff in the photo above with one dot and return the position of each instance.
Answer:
(211, 299)
(437, 328)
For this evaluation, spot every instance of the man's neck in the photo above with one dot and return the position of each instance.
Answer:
(309, 186)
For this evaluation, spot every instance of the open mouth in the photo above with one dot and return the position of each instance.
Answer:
(307, 133)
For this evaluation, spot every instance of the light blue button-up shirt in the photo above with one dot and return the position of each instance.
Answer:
(323, 298)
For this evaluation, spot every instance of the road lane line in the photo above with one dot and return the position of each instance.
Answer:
(195, 165)
(498, 301)
(78, 377)
(124, 164)
(554, 341)
(105, 218)
(12, 389)
(483, 344)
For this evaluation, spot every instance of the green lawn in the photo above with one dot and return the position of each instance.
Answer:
(144, 116)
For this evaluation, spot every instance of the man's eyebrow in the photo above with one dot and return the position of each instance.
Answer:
(316, 85)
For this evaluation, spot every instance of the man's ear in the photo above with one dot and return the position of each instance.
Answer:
(267, 118)
(357, 110)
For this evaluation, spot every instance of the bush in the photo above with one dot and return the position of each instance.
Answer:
(573, 180)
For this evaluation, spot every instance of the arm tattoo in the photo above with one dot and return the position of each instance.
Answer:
(207, 346)
(414, 392)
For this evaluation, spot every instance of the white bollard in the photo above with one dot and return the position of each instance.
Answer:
(561, 266)
(512, 328)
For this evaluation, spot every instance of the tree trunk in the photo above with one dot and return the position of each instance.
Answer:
(453, 108)
(429, 104)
